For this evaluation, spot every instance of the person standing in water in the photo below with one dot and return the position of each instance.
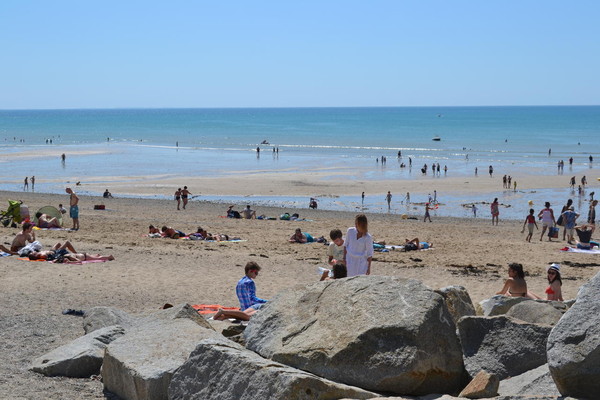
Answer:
(388, 198)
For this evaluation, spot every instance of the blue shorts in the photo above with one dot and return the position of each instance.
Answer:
(424, 245)
(584, 247)
(74, 212)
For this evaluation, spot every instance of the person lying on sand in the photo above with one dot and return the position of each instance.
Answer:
(301, 237)
(21, 239)
(46, 221)
(169, 232)
(63, 255)
(515, 285)
(415, 244)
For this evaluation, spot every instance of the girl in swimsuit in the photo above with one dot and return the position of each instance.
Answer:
(515, 285)
(554, 291)
(178, 197)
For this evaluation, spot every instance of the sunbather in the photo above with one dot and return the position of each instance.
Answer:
(415, 244)
(47, 221)
(301, 237)
(169, 232)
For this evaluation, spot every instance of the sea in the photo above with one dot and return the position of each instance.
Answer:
(130, 143)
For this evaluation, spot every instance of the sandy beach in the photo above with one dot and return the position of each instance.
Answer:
(150, 272)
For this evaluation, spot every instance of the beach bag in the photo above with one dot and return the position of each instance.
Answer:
(553, 232)
(560, 221)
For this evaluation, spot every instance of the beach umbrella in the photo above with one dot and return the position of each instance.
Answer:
(50, 211)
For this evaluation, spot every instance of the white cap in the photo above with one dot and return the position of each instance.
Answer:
(553, 266)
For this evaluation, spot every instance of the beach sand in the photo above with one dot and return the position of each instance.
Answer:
(150, 272)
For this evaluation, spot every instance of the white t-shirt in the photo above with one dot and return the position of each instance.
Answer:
(335, 251)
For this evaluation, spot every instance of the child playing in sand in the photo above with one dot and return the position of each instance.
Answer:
(530, 222)
(358, 247)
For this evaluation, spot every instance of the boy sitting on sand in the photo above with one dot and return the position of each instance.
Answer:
(246, 293)
(21, 239)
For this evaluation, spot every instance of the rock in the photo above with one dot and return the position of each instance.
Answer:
(535, 312)
(483, 385)
(101, 317)
(498, 304)
(81, 358)
(140, 364)
(219, 369)
(458, 301)
(397, 329)
(502, 345)
(536, 382)
(574, 345)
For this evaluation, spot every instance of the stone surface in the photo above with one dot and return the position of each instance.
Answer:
(219, 369)
(398, 330)
(535, 312)
(458, 302)
(499, 305)
(140, 364)
(483, 385)
(101, 317)
(502, 345)
(574, 345)
(536, 382)
(81, 358)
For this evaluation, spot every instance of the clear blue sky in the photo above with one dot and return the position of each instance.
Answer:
(105, 54)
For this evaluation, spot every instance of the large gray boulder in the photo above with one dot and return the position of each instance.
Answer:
(81, 358)
(458, 301)
(501, 345)
(101, 317)
(219, 369)
(499, 305)
(574, 345)
(535, 312)
(140, 364)
(378, 333)
(536, 382)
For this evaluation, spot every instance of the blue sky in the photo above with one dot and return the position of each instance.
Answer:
(105, 54)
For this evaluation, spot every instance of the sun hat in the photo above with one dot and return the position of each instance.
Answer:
(553, 266)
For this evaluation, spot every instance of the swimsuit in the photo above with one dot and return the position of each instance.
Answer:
(549, 290)
(517, 294)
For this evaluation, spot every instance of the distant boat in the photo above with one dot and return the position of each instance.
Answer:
(264, 142)
(437, 138)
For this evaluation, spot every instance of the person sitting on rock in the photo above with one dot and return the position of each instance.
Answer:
(515, 285)
(554, 290)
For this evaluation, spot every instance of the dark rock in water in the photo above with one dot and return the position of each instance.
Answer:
(380, 333)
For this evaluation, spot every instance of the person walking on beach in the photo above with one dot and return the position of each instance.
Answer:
(548, 220)
(358, 248)
(475, 171)
(26, 184)
(494, 208)
(388, 198)
(33, 183)
(407, 197)
(569, 218)
(491, 171)
(583, 181)
(572, 182)
(184, 196)
(362, 196)
(561, 221)
(427, 216)
(178, 197)
(63, 157)
(592, 213)
(530, 222)
(74, 208)
(474, 209)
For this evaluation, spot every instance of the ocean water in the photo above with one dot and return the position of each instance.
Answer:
(129, 143)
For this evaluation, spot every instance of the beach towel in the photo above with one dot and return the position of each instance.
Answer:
(82, 262)
(37, 228)
(595, 250)
(212, 308)
(3, 254)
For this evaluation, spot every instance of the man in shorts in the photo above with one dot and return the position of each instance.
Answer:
(74, 208)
